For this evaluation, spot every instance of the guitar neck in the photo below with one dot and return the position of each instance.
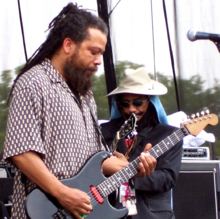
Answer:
(122, 176)
(114, 142)
(167, 143)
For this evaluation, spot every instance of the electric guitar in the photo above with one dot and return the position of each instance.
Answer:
(40, 205)
(127, 131)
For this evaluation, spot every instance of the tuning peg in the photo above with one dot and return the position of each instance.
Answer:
(207, 112)
(202, 113)
(193, 116)
(197, 114)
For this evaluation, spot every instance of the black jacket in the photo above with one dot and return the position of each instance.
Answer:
(153, 192)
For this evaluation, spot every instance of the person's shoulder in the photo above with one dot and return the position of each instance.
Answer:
(111, 127)
(111, 123)
(34, 76)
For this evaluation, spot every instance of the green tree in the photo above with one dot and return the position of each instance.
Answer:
(7, 78)
(193, 97)
(5, 87)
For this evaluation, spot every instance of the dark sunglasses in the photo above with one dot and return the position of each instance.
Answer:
(134, 103)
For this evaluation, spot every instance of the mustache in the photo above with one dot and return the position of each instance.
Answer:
(137, 114)
(91, 69)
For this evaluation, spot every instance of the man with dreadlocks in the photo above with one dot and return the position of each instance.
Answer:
(51, 129)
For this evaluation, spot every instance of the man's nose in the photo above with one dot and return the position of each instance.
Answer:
(98, 60)
(132, 108)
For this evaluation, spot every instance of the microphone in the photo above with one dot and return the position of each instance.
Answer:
(196, 35)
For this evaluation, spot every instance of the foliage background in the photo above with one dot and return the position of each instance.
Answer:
(193, 97)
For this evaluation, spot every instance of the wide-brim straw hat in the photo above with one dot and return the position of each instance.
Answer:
(138, 82)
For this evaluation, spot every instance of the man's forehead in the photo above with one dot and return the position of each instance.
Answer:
(130, 95)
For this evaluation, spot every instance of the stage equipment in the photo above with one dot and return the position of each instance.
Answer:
(196, 193)
(196, 35)
(196, 153)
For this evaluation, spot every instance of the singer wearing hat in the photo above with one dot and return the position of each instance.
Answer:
(148, 197)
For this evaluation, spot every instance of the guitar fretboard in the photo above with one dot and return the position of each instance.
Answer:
(113, 182)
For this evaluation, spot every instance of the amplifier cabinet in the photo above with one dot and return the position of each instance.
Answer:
(196, 194)
(6, 189)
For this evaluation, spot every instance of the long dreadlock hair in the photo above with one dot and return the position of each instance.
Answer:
(71, 22)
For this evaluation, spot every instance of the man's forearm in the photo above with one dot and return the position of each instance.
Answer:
(34, 168)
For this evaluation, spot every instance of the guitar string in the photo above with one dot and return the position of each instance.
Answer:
(162, 147)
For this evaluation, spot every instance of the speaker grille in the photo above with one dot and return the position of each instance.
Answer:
(6, 189)
(194, 196)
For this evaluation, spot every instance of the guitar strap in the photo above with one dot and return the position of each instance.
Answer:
(98, 127)
(141, 135)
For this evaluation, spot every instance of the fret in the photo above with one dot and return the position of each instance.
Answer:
(117, 179)
(105, 191)
(129, 172)
(159, 148)
(124, 175)
(166, 144)
(176, 135)
(154, 152)
(134, 167)
(170, 140)
(108, 188)
(114, 183)
(105, 188)
(100, 189)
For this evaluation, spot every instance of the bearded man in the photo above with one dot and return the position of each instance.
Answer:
(51, 131)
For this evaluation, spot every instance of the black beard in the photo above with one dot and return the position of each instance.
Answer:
(74, 73)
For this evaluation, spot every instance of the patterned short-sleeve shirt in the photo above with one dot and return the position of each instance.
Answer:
(46, 117)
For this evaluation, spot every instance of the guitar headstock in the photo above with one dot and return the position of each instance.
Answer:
(199, 122)
(128, 127)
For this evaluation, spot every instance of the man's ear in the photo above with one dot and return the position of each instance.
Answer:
(68, 45)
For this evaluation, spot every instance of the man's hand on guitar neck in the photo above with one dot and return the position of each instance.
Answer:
(147, 165)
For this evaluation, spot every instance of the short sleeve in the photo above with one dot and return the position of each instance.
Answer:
(23, 132)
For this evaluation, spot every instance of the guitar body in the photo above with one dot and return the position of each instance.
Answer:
(42, 206)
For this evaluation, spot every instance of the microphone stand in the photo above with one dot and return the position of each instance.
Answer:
(217, 44)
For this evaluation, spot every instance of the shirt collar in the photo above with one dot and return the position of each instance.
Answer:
(52, 73)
